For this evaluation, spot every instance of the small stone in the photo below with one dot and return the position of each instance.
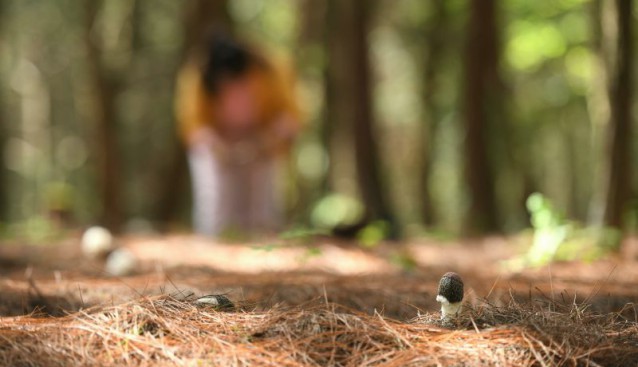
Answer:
(216, 301)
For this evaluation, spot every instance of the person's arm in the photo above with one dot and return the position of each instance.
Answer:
(280, 132)
(193, 110)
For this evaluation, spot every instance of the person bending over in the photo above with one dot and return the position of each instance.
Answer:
(237, 115)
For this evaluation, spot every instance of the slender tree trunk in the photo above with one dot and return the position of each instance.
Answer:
(105, 138)
(331, 74)
(434, 50)
(350, 90)
(136, 25)
(480, 99)
(312, 36)
(366, 147)
(201, 16)
(620, 101)
(598, 110)
(4, 210)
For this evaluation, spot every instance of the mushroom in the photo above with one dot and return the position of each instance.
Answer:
(121, 262)
(450, 294)
(97, 242)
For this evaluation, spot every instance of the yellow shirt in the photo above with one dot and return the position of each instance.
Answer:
(275, 104)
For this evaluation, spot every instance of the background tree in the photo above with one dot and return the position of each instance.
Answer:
(311, 42)
(434, 50)
(200, 16)
(3, 180)
(349, 94)
(105, 87)
(617, 27)
(481, 103)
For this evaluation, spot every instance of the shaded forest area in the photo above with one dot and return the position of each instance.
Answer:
(421, 117)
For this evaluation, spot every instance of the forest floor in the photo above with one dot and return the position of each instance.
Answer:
(318, 303)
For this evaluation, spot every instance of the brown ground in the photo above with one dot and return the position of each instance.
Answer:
(319, 303)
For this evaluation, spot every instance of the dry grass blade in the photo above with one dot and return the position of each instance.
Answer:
(164, 330)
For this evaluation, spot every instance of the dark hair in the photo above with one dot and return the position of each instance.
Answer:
(223, 58)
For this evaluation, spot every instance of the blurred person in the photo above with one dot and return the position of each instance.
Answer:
(238, 116)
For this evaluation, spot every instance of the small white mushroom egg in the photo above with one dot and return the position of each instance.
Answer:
(121, 262)
(97, 242)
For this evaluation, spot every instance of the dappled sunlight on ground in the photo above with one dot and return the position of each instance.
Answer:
(257, 257)
(400, 277)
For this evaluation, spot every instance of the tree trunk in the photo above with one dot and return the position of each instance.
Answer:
(434, 50)
(331, 74)
(105, 137)
(620, 93)
(313, 35)
(4, 210)
(480, 100)
(350, 90)
(201, 16)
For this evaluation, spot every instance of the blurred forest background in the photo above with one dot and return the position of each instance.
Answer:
(422, 116)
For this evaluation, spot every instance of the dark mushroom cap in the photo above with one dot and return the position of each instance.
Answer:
(451, 287)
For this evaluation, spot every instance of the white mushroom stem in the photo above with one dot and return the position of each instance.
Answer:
(448, 309)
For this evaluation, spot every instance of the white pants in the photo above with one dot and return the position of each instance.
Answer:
(234, 196)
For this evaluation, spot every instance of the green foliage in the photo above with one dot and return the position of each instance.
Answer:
(531, 44)
(235, 235)
(266, 248)
(272, 21)
(372, 234)
(303, 234)
(556, 239)
(38, 230)
(335, 210)
(311, 252)
(550, 229)
(59, 196)
(404, 260)
(544, 215)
